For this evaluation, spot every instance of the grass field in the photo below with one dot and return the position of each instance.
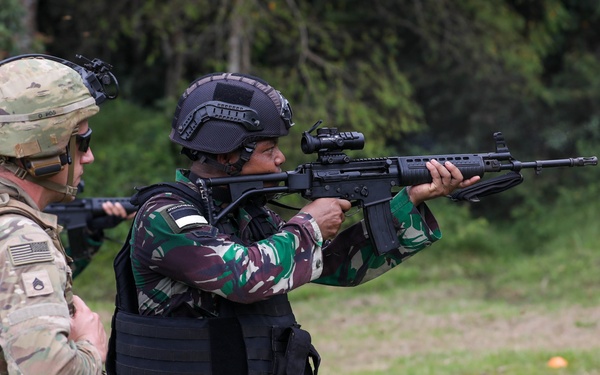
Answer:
(452, 311)
(469, 313)
(450, 327)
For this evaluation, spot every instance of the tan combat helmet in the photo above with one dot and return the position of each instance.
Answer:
(42, 101)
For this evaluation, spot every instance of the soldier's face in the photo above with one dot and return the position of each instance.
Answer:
(79, 159)
(266, 158)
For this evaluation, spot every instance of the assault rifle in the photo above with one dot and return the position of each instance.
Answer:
(80, 212)
(369, 183)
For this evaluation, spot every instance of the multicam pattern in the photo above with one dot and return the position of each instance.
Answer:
(48, 99)
(35, 297)
(174, 265)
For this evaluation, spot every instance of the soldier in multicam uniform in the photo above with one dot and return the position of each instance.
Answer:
(44, 109)
(233, 277)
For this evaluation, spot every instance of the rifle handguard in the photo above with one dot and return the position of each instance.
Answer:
(491, 186)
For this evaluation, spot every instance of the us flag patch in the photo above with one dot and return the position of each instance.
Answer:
(185, 215)
(32, 252)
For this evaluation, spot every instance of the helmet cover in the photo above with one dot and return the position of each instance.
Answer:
(41, 103)
(219, 112)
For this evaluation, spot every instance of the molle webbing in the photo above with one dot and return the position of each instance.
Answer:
(212, 346)
(155, 345)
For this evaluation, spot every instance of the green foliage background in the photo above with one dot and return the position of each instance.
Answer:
(416, 77)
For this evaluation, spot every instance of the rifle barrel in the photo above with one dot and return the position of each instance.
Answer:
(539, 164)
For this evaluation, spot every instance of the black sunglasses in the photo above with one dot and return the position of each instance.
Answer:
(83, 140)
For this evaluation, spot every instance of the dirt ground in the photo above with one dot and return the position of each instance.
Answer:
(403, 332)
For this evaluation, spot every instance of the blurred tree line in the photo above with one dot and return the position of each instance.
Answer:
(415, 76)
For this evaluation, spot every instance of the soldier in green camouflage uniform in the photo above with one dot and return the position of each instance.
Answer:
(183, 266)
(44, 107)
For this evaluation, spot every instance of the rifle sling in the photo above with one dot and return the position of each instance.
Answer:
(494, 185)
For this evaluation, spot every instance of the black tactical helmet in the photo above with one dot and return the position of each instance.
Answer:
(222, 112)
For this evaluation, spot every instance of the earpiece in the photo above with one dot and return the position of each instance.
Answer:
(45, 167)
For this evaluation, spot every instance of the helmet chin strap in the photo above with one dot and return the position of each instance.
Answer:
(232, 169)
(69, 191)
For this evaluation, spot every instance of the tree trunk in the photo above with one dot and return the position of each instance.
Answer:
(25, 40)
(175, 57)
(239, 42)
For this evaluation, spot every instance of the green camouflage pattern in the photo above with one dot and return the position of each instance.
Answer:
(41, 90)
(176, 265)
(36, 295)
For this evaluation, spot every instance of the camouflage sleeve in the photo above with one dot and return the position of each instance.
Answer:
(350, 259)
(172, 240)
(35, 316)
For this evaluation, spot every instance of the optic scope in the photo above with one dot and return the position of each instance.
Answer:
(329, 139)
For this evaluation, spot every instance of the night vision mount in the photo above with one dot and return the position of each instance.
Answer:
(98, 78)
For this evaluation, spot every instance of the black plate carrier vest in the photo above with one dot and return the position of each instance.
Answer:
(261, 338)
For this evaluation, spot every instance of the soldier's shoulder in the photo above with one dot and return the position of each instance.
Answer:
(23, 241)
(11, 223)
(173, 211)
